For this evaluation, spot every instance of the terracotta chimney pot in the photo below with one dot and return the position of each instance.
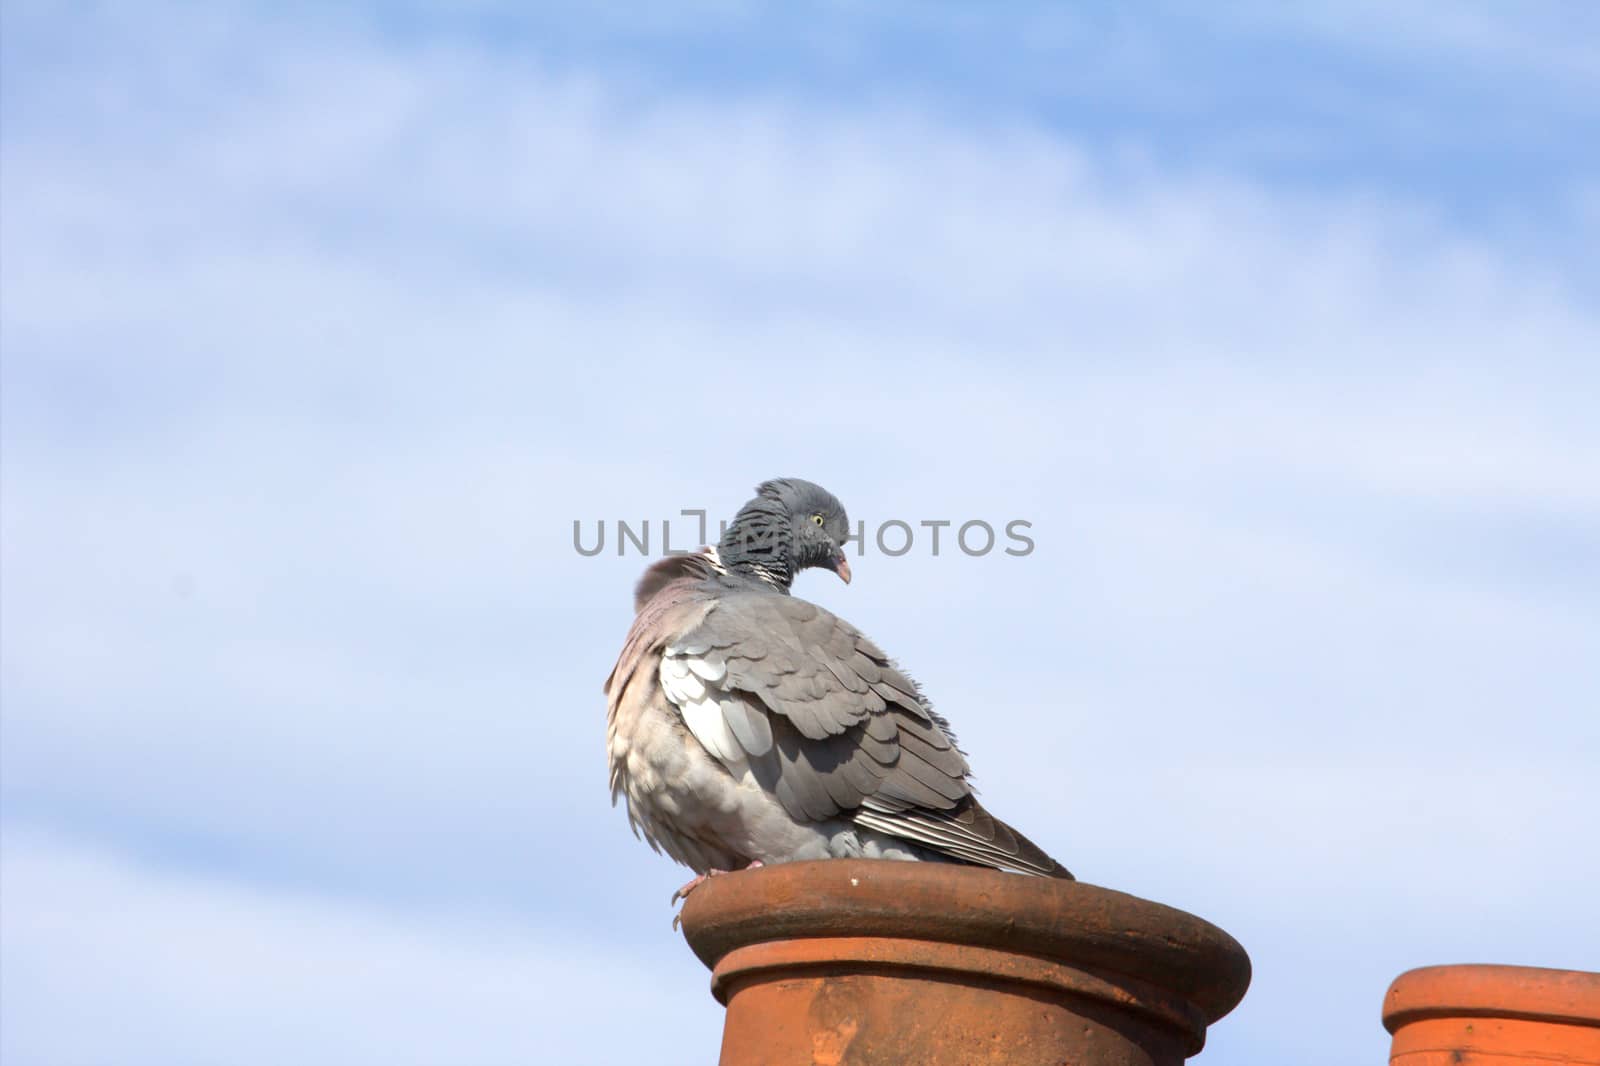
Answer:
(1493, 1016)
(865, 962)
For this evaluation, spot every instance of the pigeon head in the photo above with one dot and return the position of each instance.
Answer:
(789, 526)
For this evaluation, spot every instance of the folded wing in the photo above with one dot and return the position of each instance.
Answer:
(786, 694)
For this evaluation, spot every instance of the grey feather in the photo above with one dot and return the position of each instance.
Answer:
(749, 725)
(745, 724)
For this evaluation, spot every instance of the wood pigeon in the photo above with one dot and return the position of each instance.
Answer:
(746, 726)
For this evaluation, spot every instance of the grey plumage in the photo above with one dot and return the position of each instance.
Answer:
(745, 724)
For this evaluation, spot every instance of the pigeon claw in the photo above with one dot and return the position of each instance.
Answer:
(690, 886)
(683, 892)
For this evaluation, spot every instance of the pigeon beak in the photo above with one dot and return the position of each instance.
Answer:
(841, 566)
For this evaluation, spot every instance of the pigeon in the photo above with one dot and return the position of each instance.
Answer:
(746, 726)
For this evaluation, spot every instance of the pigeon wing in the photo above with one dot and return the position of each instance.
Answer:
(803, 703)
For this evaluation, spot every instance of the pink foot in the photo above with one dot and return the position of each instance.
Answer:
(700, 879)
(683, 892)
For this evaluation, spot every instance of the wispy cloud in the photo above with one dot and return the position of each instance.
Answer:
(108, 957)
(320, 332)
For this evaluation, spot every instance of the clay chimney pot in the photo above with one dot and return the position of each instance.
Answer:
(862, 962)
(1493, 1016)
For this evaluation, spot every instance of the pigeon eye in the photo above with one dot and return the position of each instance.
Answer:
(817, 519)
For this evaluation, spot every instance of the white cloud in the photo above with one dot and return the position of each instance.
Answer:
(309, 369)
(109, 959)
(1544, 40)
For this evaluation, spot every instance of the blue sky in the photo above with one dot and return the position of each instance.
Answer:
(318, 330)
